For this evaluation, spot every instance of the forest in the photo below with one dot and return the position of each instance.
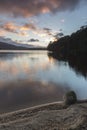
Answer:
(75, 44)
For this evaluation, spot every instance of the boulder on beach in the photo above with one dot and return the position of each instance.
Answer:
(70, 98)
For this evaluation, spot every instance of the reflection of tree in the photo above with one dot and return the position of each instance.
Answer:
(78, 63)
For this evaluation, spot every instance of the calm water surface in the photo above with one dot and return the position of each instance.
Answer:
(32, 78)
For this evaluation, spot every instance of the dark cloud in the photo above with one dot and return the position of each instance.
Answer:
(60, 30)
(58, 35)
(47, 29)
(33, 40)
(35, 7)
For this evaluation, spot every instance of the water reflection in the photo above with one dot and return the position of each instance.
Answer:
(78, 63)
(26, 93)
(73, 72)
(30, 78)
(21, 66)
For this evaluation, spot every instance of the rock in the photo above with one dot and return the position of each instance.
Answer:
(70, 98)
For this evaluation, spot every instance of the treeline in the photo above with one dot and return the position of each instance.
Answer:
(76, 44)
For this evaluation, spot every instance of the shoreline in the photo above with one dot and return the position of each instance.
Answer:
(47, 116)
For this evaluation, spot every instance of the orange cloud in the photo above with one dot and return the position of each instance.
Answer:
(12, 28)
(2, 33)
(45, 10)
(23, 30)
(9, 27)
(23, 34)
(29, 26)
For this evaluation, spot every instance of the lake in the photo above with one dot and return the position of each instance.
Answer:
(29, 78)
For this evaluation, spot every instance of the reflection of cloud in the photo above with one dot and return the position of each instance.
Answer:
(4, 67)
(35, 7)
(20, 64)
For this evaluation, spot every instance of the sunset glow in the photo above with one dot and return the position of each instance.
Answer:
(21, 21)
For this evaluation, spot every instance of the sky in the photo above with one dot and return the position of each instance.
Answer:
(38, 22)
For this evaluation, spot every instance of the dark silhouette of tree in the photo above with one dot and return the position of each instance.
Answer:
(72, 49)
(71, 45)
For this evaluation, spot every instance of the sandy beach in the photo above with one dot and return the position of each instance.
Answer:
(53, 116)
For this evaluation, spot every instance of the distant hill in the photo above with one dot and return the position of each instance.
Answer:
(6, 46)
(14, 46)
(76, 44)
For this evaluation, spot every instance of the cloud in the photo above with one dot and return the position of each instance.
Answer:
(42, 32)
(53, 34)
(33, 40)
(9, 27)
(60, 34)
(34, 7)
(2, 33)
(47, 29)
(23, 30)
(28, 26)
(62, 20)
(23, 34)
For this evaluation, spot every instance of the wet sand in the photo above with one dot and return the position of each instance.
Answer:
(53, 116)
